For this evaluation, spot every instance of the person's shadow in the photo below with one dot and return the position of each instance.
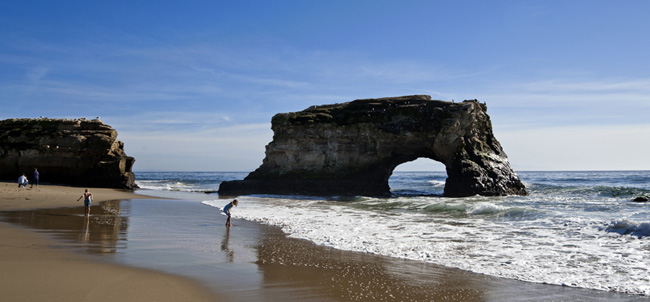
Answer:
(230, 254)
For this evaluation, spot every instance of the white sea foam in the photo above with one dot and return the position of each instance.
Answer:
(575, 228)
(437, 183)
(516, 237)
(170, 186)
(627, 227)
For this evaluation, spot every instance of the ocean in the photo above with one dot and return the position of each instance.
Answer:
(577, 229)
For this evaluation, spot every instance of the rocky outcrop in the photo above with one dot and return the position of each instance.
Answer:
(641, 199)
(353, 148)
(77, 152)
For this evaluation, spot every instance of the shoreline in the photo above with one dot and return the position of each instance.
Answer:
(34, 270)
(251, 261)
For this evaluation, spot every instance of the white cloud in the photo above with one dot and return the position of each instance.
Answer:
(554, 123)
(567, 92)
(568, 86)
(171, 121)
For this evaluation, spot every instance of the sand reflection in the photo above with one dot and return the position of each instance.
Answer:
(104, 231)
(230, 254)
(85, 230)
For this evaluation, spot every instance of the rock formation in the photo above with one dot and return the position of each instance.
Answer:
(353, 148)
(77, 152)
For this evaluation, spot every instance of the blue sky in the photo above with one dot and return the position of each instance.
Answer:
(192, 85)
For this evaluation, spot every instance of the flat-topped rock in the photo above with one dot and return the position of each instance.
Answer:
(352, 149)
(66, 151)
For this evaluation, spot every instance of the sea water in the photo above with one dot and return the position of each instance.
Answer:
(578, 229)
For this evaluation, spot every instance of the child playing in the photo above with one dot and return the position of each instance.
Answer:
(226, 210)
(88, 198)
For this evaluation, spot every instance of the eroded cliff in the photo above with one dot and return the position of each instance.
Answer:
(66, 151)
(352, 149)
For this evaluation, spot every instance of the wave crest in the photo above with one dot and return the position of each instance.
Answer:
(628, 227)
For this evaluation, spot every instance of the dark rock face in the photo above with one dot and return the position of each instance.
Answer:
(353, 148)
(641, 199)
(77, 152)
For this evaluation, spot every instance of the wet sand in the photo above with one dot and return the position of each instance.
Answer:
(34, 268)
(254, 262)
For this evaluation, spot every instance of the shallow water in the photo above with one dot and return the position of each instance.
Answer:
(577, 229)
(253, 262)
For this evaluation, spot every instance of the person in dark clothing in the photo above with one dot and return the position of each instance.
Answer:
(35, 178)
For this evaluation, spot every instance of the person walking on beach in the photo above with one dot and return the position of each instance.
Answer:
(22, 181)
(226, 210)
(35, 177)
(88, 198)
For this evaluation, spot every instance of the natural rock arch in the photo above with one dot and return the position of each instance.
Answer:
(353, 148)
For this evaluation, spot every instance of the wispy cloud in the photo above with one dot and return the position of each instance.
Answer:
(568, 101)
(228, 148)
(199, 103)
(176, 121)
(35, 75)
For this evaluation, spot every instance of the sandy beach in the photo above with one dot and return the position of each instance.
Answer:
(139, 248)
(33, 270)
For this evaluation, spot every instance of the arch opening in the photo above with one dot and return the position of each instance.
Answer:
(419, 177)
(353, 148)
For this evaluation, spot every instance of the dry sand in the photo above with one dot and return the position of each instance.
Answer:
(32, 270)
